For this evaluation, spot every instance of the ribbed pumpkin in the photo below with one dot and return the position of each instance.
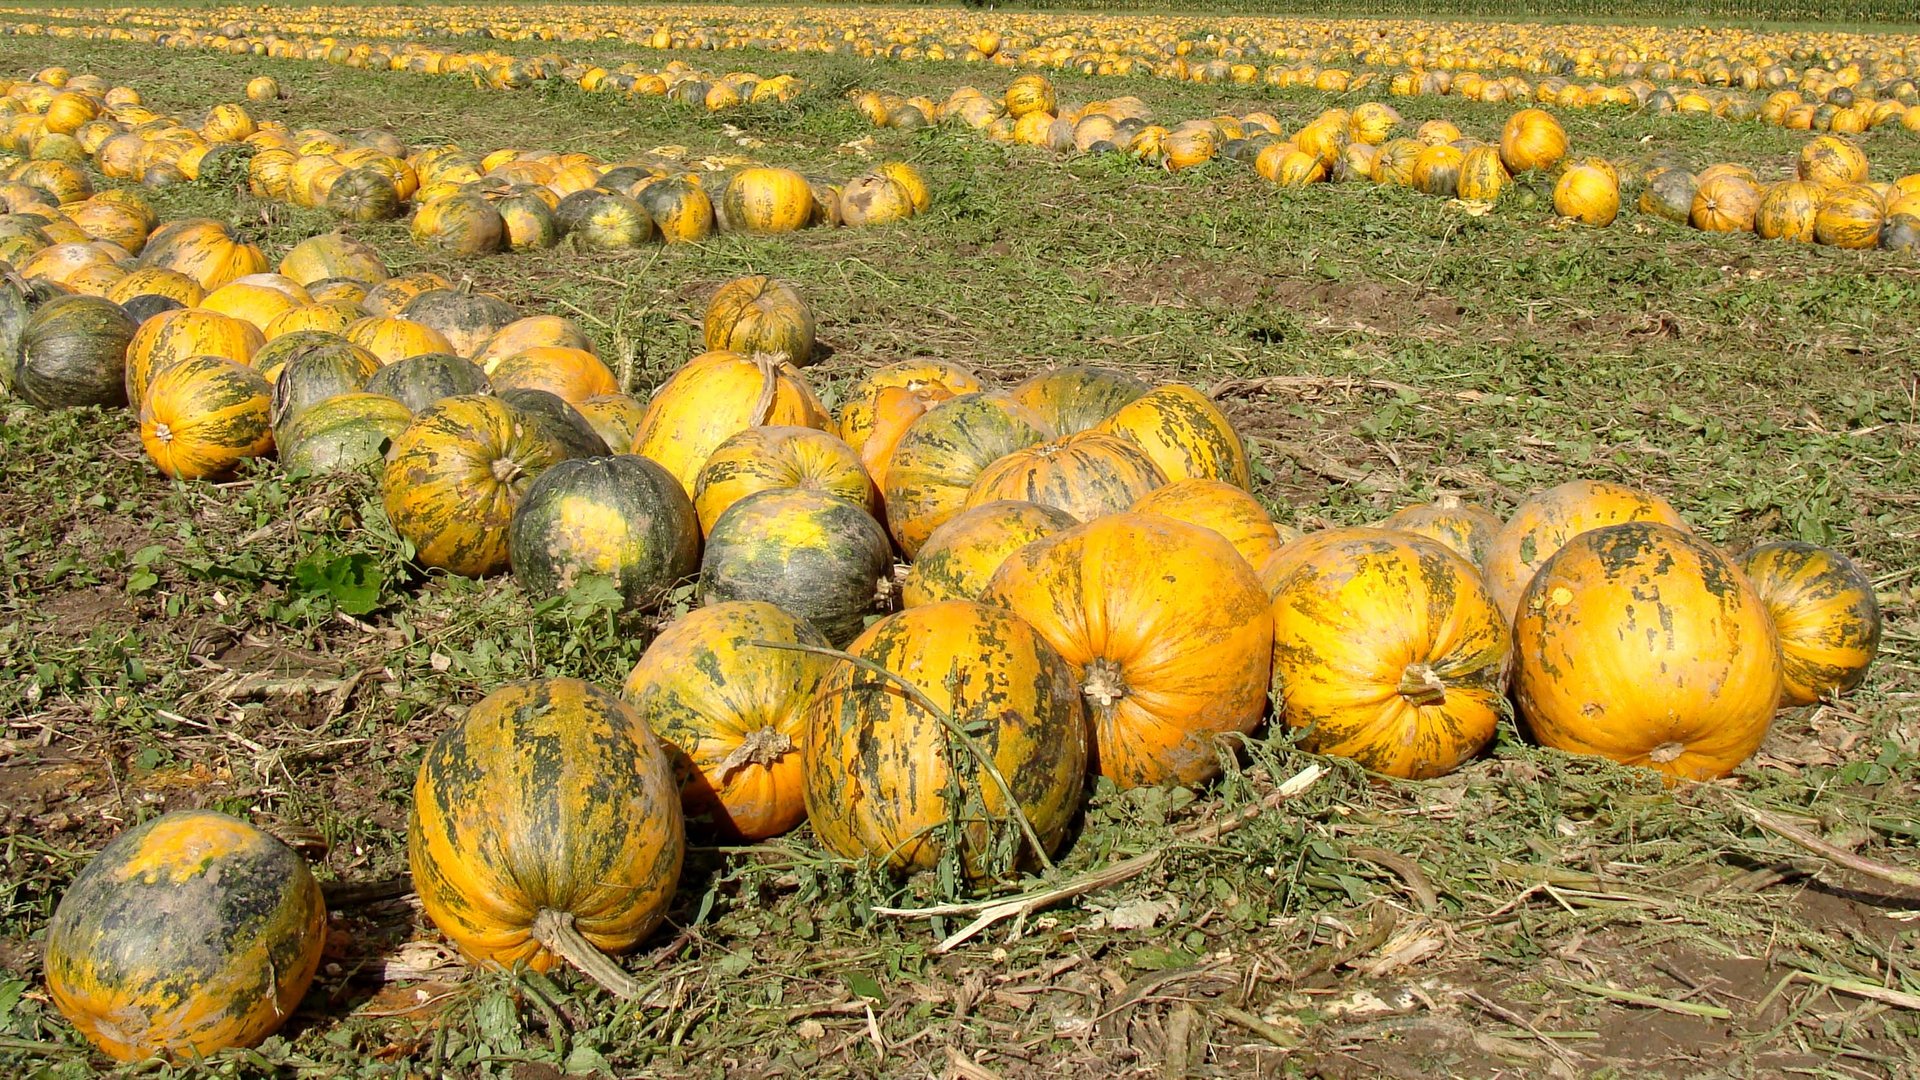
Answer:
(936, 462)
(1088, 475)
(1532, 140)
(1184, 433)
(467, 319)
(1388, 649)
(531, 332)
(1832, 160)
(715, 396)
(1787, 211)
(1168, 632)
(464, 224)
(572, 375)
(733, 714)
(1547, 520)
(1029, 94)
(765, 458)
(395, 293)
(614, 417)
(72, 351)
(204, 415)
(610, 222)
(547, 815)
(1642, 643)
(812, 554)
(173, 336)
(1824, 613)
(874, 199)
(882, 770)
(763, 200)
(561, 422)
(961, 556)
(186, 935)
(1467, 528)
(680, 209)
(1587, 195)
(203, 250)
(347, 431)
(1436, 171)
(1070, 400)
(1228, 510)
(621, 518)
(760, 314)
(1725, 203)
(419, 381)
(322, 368)
(1850, 217)
(880, 408)
(333, 318)
(393, 339)
(154, 281)
(455, 475)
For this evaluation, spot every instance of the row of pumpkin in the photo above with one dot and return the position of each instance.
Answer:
(1830, 200)
(1334, 55)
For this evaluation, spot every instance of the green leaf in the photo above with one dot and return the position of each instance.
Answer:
(352, 582)
(585, 1059)
(1159, 958)
(498, 1021)
(865, 986)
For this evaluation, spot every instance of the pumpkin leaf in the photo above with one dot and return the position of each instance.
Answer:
(585, 1060)
(351, 582)
(865, 986)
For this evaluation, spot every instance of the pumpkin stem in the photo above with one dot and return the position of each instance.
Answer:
(1447, 500)
(1420, 685)
(1105, 683)
(769, 365)
(762, 747)
(886, 589)
(1666, 752)
(555, 930)
(507, 470)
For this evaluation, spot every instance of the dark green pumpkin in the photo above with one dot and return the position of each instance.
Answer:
(345, 431)
(1074, 399)
(316, 372)
(808, 553)
(464, 317)
(73, 351)
(419, 381)
(364, 194)
(147, 305)
(560, 421)
(610, 222)
(621, 517)
(680, 209)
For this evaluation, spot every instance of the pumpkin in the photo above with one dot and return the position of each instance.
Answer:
(203, 250)
(938, 459)
(204, 415)
(764, 458)
(614, 417)
(463, 224)
(1787, 211)
(1532, 140)
(1824, 614)
(960, 556)
(621, 518)
(263, 88)
(333, 318)
(1289, 166)
(1669, 195)
(391, 296)
(1467, 528)
(1184, 434)
(340, 291)
(715, 396)
(1587, 195)
(529, 220)
(522, 334)
(1725, 203)
(910, 179)
(1228, 510)
(393, 339)
(153, 281)
(364, 194)
(256, 304)
(572, 375)
(467, 319)
(185, 935)
(1642, 643)
(609, 222)
(1850, 217)
(545, 824)
(764, 200)
(1167, 630)
(1548, 519)
(760, 314)
(345, 431)
(1436, 171)
(1087, 475)
(1832, 160)
(884, 772)
(812, 554)
(733, 714)
(680, 209)
(455, 475)
(419, 381)
(327, 367)
(1393, 164)
(1902, 231)
(1029, 94)
(872, 420)
(1388, 649)
(72, 351)
(174, 336)
(1069, 400)
(559, 420)
(874, 199)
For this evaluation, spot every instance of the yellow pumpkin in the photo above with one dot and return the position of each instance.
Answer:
(1184, 434)
(960, 557)
(1587, 195)
(715, 396)
(1532, 140)
(1228, 510)
(1824, 613)
(763, 458)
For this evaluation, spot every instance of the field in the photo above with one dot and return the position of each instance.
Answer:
(265, 645)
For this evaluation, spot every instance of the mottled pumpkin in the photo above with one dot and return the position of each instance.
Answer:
(203, 250)
(760, 314)
(72, 351)
(1642, 643)
(936, 462)
(204, 415)
(812, 554)
(1069, 400)
(715, 396)
(1388, 649)
(173, 336)
(733, 714)
(882, 770)
(463, 224)
(1850, 217)
(466, 318)
(1824, 613)
(874, 199)
(1467, 528)
(622, 518)
(559, 420)
(960, 556)
(548, 808)
(1228, 510)
(1532, 140)
(1787, 211)
(572, 375)
(332, 317)
(324, 367)
(1184, 433)
(1552, 517)
(1168, 631)
(1088, 475)
(395, 293)
(680, 209)
(419, 381)
(393, 339)
(186, 935)
(871, 420)
(766, 200)
(455, 476)
(1725, 203)
(614, 417)
(531, 332)
(347, 431)
(764, 458)
(1669, 194)
(1831, 160)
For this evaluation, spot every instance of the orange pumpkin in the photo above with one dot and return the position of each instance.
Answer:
(1832, 160)
(1167, 629)
(204, 415)
(1070, 400)
(1388, 649)
(572, 375)
(936, 462)
(531, 332)
(1467, 528)
(1532, 140)
(1552, 517)
(394, 339)
(203, 250)
(1850, 217)
(1787, 211)
(716, 396)
(763, 458)
(1087, 475)
(884, 403)
(173, 336)
(1237, 516)
(1642, 643)
(1587, 195)
(1184, 434)
(1725, 203)
(960, 557)
(1824, 613)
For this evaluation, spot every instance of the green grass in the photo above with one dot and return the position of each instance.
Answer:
(169, 645)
